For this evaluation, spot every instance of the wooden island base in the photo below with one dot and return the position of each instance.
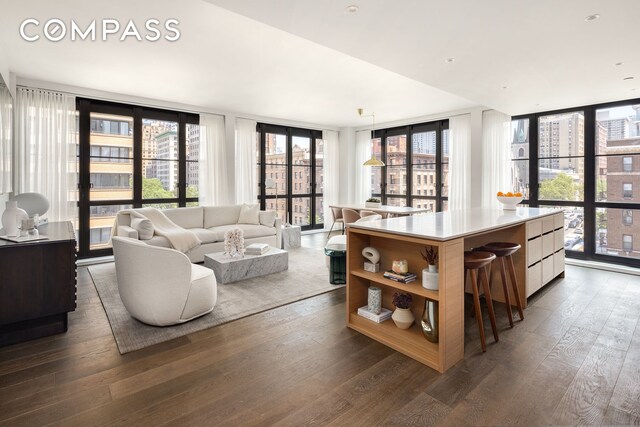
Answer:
(540, 259)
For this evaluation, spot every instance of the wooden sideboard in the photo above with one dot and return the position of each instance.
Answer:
(37, 284)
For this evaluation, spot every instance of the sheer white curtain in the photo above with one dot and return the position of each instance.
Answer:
(46, 137)
(496, 156)
(331, 158)
(460, 162)
(6, 155)
(362, 174)
(213, 183)
(246, 158)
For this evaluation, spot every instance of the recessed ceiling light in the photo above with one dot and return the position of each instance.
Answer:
(450, 60)
(352, 8)
(505, 87)
(628, 78)
(617, 64)
(592, 17)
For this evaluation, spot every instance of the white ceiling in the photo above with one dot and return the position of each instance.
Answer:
(310, 61)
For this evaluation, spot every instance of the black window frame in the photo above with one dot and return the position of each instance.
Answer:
(439, 127)
(590, 203)
(86, 106)
(290, 132)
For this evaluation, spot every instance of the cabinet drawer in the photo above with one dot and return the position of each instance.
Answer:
(534, 250)
(547, 270)
(547, 224)
(558, 263)
(558, 221)
(534, 278)
(558, 239)
(534, 228)
(547, 244)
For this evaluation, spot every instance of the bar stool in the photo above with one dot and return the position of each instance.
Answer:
(475, 262)
(504, 251)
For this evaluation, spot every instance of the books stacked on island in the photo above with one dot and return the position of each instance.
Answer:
(400, 277)
(256, 249)
(378, 318)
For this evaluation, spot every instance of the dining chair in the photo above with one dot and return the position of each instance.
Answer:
(349, 216)
(337, 218)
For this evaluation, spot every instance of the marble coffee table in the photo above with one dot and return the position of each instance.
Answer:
(228, 270)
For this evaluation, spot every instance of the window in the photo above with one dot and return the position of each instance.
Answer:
(520, 156)
(561, 156)
(294, 157)
(593, 149)
(416, 165)
(131, 156)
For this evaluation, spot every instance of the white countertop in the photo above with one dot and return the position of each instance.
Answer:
(454, 224)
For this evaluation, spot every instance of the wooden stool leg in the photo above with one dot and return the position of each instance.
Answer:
(505, 288)
(487, 297)
(476, 303)
(514, 285)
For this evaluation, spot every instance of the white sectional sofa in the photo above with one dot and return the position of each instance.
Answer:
(210, 223)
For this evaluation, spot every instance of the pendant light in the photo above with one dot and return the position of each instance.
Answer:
(373, 161)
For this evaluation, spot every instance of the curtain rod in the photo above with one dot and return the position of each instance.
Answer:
(103, 98)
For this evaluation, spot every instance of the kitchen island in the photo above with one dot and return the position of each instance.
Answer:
(540, 232)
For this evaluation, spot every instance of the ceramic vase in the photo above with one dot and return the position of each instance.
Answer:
(429, 321)
(403, 318)
(11, 217)
(430, 278)
(400, 266)
(374, 300)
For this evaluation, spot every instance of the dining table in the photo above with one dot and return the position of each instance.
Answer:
(384, 209)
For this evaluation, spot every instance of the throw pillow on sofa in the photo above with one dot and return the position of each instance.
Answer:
(268, 218)
(142, 225)
(249, 214)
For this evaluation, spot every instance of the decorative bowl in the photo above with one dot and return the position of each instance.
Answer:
(509, 203)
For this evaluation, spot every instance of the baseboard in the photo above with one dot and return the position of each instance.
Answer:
(603, 266)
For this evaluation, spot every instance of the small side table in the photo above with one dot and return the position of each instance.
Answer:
(291, 237)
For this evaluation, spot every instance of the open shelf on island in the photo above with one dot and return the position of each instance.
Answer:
(408, 341)
(449, 297)
(413, 287)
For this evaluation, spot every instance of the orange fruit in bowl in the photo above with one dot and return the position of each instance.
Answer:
(518, 194)
(509, 194)
(500, 194)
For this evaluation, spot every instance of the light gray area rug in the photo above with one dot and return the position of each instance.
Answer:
(307, 276)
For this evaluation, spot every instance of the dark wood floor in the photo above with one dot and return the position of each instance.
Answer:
(574, 360)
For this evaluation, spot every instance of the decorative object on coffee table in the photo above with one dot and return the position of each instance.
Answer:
(430, 273)
(374, 299)
(429, 322)
(228, 270)
(402, 316)
(373, 256)
(234, 242)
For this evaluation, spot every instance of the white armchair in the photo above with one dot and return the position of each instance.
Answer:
(160, 286)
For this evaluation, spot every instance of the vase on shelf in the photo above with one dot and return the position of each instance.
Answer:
(429, 321)
(430, 278)
(12, 217)
(403, 317)
(374, 300)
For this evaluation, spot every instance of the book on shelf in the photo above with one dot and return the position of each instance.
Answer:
(400, 277)
(378, 318)
(256, 249)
